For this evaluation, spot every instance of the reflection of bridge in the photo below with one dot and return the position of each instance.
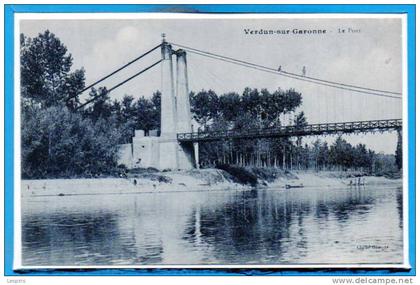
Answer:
(294, 131)
(177, 146)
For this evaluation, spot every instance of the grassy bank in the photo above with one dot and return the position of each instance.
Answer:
(254, 176)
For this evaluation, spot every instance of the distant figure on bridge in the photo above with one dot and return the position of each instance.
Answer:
(304, 71)
(279, 69)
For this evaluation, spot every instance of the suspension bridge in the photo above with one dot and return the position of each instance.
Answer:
(177, 145)
(294, 131)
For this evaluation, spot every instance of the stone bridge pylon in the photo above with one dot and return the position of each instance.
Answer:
(164, 151)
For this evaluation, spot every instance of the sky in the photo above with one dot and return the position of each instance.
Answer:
(370, 58)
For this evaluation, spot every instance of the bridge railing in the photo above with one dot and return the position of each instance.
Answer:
(289, 131)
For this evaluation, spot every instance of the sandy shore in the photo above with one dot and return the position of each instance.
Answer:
(332, 179)
(180, 181)
(185, 181)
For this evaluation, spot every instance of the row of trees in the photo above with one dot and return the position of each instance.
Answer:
(252, 109)
(59, 141)
(262, 109)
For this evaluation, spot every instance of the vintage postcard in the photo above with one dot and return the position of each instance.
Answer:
(187, 140)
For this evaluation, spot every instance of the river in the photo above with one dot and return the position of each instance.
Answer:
(359, 225)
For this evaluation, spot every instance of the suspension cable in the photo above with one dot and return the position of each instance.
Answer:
(292, 75)
(114, 72)
(119, 84)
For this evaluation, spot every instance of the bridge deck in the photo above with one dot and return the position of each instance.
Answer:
(294, 131)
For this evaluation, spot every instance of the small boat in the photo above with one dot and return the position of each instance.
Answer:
(288, 186)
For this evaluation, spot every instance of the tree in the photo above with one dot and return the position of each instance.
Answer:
(156, 100)
(147, 116)
(57, 142)
(251, 102)
(204, 106)
(300, 120)
(101, 107)
(230, 106)
(46, 76)
(254, 109)
(124, 113)
(324, 156)
(361, 158)
(128, 110)
(130, 115)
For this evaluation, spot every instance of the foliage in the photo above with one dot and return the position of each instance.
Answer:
(46, 76)
(262, 109)
(128, 114)
(253, 109)
(57, 142)
(204, 106)
(240, 174)
(385, 165)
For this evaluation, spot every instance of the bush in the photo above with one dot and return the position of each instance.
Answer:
(240, 174)
(140, 170)
(59, 143)
(267, 174)
(156, 177)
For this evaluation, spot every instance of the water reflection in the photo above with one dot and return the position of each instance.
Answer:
(269, 226)
(71, 236)
(258, 225)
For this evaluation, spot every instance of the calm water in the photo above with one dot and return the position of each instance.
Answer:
(272, 226)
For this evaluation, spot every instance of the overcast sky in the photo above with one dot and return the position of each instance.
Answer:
(370, 58)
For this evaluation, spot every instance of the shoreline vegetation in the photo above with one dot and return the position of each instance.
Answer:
(199, 180)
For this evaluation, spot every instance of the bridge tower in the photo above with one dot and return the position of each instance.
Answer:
(183, 111)
(168, 145)
(168, 114)
(166, 152)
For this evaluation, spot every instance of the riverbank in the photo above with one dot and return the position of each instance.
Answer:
(145, 182)
(199, 180)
